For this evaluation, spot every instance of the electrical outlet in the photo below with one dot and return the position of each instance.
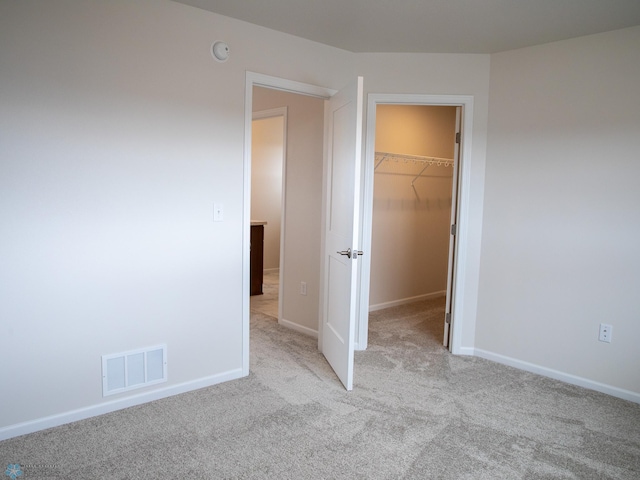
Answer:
(303, 288)
(605, 333)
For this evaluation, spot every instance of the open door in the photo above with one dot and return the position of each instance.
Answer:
(343, 136)
(448, 320)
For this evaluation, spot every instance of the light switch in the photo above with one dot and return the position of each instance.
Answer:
(218, 212)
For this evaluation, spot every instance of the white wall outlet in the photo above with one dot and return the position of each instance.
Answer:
(303, 288)
(605, 333)
(218, 212)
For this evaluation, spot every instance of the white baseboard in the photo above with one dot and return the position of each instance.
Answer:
(469, 351)
(557, 375)
(271, 270)
(404, 301)
(298, 328)
(113, 405)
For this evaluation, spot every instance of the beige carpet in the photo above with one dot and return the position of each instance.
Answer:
(416, 412)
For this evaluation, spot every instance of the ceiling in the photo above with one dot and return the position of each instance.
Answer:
(431, 26)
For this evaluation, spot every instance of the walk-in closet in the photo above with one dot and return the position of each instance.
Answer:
(414, 168)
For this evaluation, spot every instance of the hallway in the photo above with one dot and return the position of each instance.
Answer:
(267, 303)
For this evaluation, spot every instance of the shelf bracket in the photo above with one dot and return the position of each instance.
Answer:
(421, 171)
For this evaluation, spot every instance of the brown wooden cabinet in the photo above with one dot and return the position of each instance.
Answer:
(257, 257)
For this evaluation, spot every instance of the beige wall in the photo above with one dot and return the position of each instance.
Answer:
(303, 207)
(410, 237)
(562, 220)
(416, 130)
(267, 158)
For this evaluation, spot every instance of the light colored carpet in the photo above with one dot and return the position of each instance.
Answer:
(416, 412)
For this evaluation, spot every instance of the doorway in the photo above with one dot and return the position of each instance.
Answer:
(414, 175)
(298, 268)
(461, 289)
(268, 153)
(466, 238)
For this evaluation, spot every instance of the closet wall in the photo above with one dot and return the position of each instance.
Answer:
(410, 237)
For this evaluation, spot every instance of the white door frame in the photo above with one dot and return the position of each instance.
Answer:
(462, 320)
(459, 321)
(252, 80)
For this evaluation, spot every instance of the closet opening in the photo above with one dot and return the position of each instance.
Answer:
(415, 178)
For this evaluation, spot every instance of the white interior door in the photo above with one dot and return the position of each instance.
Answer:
(448, 322)
(343, 121)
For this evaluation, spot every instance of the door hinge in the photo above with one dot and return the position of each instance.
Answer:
(447, 318)
(454, 229)
(457, 137)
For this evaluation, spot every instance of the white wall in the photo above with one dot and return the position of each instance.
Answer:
(410, 237)
(118, 132)
(562, 224)
(267, 159)
(303, 209)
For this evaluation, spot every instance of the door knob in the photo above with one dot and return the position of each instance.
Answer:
(351, 254)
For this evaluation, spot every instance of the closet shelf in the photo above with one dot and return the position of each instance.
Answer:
(426, 162)
(399, 157)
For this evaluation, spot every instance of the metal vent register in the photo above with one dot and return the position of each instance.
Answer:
(133, 369)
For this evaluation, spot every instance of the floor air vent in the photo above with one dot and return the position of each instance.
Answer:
(126, 371)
